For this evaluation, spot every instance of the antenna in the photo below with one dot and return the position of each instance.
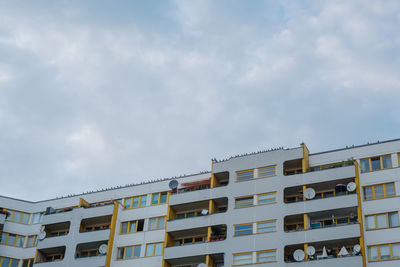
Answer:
(103, 249)
(299, 255)
(309, 193)
(310, 251)
(173, 184)
(351, 186)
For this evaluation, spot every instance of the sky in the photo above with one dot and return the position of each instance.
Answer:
(96, 94)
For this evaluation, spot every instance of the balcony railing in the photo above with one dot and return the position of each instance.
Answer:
(322, 167)
(318, 195)
(327, 223)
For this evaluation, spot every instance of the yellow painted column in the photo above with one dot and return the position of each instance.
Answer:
(305, 163)
(112, 234)
(209, 234)
(359, 215)
(305, 222)
(305, 252)
(83, 203)
(211, 206)
(208, 260)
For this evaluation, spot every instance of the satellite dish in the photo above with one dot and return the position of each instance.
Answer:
(351, 186)
(103, 249)
(173, 184)
(310, 251)
(42, 235)
(357, 248)
(299, 255)
(204, 212)
(309, 193)
(202, 265)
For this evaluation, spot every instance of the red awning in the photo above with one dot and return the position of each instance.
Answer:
(197, 183)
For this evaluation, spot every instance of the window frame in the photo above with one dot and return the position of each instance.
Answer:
(129, 227)
(376, 220)
(133, 252)
(28, 261)
(11, 260)
(34, 243)
(235, 232)
(244, 197)
(242, 253)
(12, 215)
(15, 240)
(373, 191)
(131, 200)
(154, 249)
(267, 167)
(159, 198)
(255, 173)
(244, 171)
(263, 251)
(379, 252)
(157, 219)
(380, 163)
(257, 228)
(266, 194)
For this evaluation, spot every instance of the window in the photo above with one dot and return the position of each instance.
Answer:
(154, 249)
(376, 163)
(130, 252)
(242, 258)
(384, 220)
(379, 191)
(12, 240)
(135, 202)
(263, 172)
(159, 198)
(267, 171)
(156, 223)
(266, 198)
(243, 202)
(384, 252)
(266, 226)
(32, 241)
(243, 229)
(132, 227)
(18, 216)
(266, 256)
(37, 218)
(244, 175)
(8, 262)
(27, 263)
(260, 257)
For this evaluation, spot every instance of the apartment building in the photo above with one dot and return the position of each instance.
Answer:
(281, 207)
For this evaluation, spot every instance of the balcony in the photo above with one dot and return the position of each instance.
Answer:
(329, 262)
(293, 167)
(196, 222)
(324, 250)
(53, 255)
(201, 195)
(194, 250)
(216, 259)
(88, 253)
(56, 235)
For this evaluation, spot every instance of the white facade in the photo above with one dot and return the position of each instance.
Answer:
(250, 210)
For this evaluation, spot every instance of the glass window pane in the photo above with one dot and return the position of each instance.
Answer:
(11, 239)
(372, 253)
(152, 224)
(387, 162)
(3, 238)
(161, 223)
(143, 200)
(158, 250)
(240, 176)
(120, 254)
(379, 191)
(124, 227)
(6, 262)
(149, 250)
(385, 252)
(135, 202)
(393, 219)
(370, 220)
(25, 263)
(376, 163)
(396, 251)
(20, 241)
(14, 263)
(132, 229)
(244, 202)
(266, 172)
(163, 198)
(246, 229)
(17, 216)
(367, 193)
(381, 220)
(266, 227)
(128, 252)
(154, 199)
(390, 190)
(127, 203)
(35, 218)
(242, 259)
(365, 165)
(25, 218)
(265, 199)
(266, 256)
(136, 252)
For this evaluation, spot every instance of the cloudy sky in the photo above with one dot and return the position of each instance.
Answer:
(96, 94)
